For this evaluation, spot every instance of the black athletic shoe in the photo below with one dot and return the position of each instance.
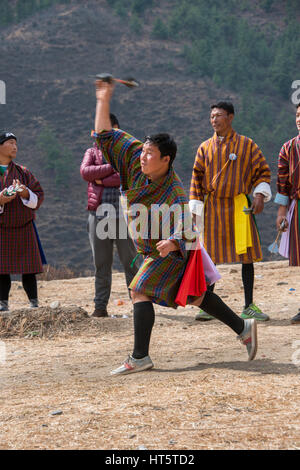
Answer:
(100, 312)
(296, 319)
(4, 306)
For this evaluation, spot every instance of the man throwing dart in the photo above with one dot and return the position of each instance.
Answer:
(149, 182)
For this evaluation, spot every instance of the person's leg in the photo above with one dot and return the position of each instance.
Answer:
(143, 321)
(250, 309)
(215, 306)
(127, 253)
(248, 282)
(202, 315)
(103, 257)
(245, 329)
(5, 285)
(30, 286)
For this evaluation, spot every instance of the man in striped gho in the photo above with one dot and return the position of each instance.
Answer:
(227, 167)
(20, 248)
(148, 182)
(288, 198)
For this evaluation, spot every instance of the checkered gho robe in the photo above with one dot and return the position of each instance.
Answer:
(158, 278)
(19, 251)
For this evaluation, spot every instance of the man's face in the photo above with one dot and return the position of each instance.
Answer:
(9, 149)
(220, 120)
(151, 160)
(298, 119)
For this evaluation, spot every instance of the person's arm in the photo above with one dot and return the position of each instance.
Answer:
(283, 186)
(164, 247)
(104, 92)
(119, 149)
(32, 195)
(5, 200)
(112, 180)
(281, 216)
(30, 200)
(181, 231)
(261, 178)
(196, 187)
(196, 202)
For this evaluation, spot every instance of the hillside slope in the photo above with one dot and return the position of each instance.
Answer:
(50, 58)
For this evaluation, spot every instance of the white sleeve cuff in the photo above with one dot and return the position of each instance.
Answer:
(1, 209)
(32, 202)
(265, 189)
(196, 207)
(281, 200)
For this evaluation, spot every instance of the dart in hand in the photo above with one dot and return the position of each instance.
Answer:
(274, 247)
(107, 77)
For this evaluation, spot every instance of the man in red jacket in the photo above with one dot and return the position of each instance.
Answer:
(103, 206)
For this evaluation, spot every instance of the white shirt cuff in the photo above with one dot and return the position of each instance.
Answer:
(265, 189)
(196, 207)
(281, 200)
(32, 202)
(1, 209)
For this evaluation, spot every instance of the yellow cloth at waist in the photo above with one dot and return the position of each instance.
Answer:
(242, 227)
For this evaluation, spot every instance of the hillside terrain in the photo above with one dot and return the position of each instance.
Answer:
(50, 59)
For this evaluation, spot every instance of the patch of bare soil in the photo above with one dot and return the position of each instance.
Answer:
(56, 391)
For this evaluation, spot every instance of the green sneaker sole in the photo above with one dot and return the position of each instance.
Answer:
(202, 316)
(257, 318)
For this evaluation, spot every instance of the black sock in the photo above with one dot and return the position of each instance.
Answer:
(248, 282)
(143, 320)
(215, 306)
(5, 285)
(30, 285)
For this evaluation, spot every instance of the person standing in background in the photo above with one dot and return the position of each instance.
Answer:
(288, 198)
(227, 167)
(20, 249)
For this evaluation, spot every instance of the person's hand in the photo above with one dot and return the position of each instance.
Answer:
(99, 182)
(6, 199)
(281, 216)
(24, 193)
(280, 219)
(258, 203)
(104, 90)
(165, 246)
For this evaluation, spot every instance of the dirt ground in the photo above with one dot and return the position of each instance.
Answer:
(56, 391)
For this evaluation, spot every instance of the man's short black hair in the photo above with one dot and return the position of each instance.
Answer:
(298, 106)
(165, 144)
(228, 107)
(114, 121)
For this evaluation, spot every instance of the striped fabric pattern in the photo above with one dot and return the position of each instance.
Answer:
(159, 278)
(288, 175)
(222, 170)
(19, 250)
(288, 184)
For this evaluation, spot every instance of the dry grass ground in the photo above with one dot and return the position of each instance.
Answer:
(202, 394)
